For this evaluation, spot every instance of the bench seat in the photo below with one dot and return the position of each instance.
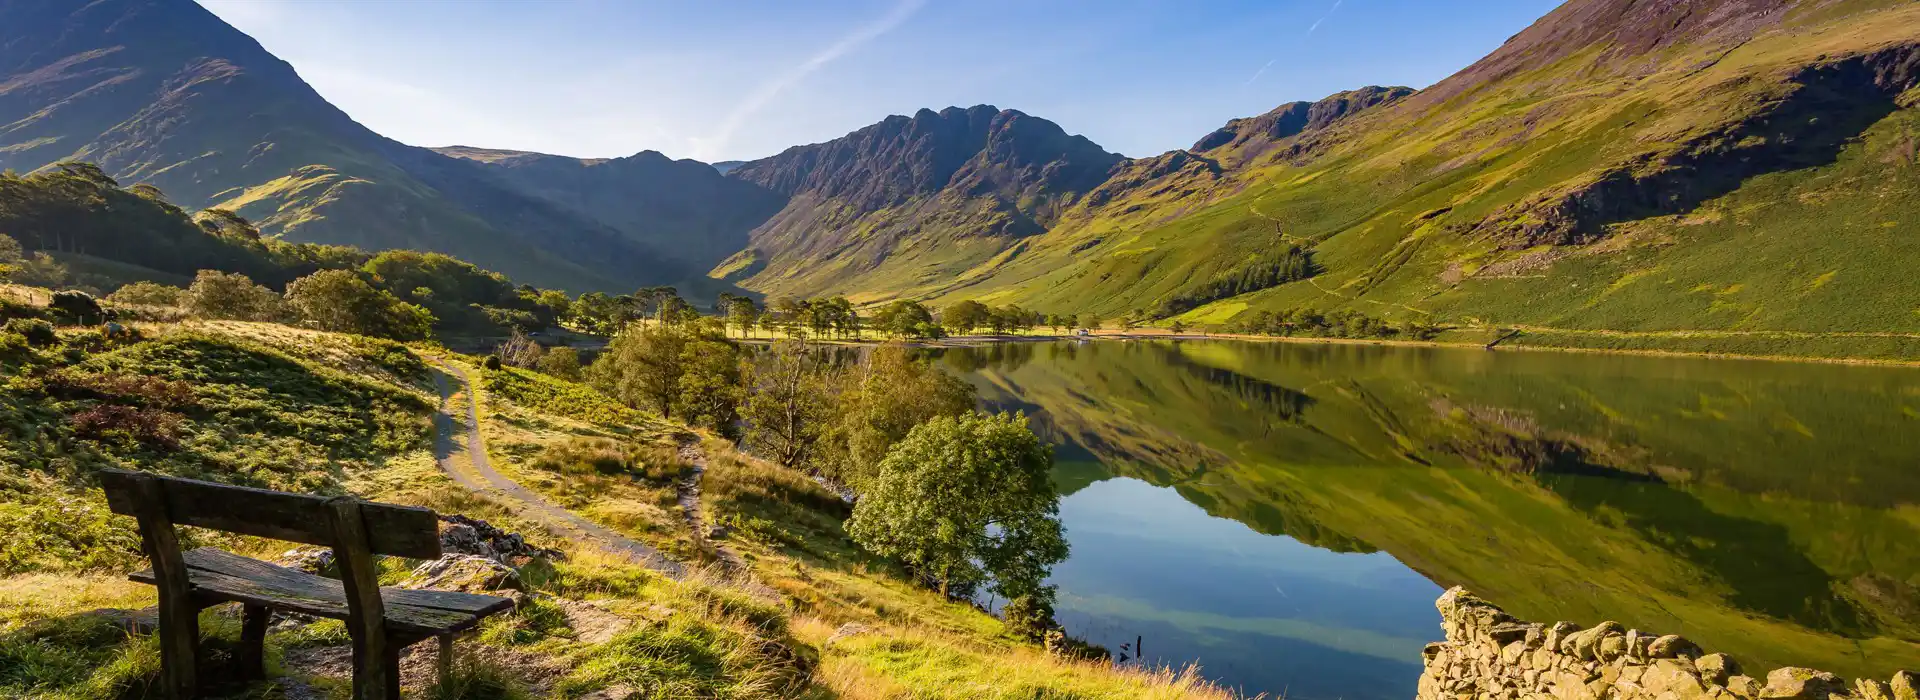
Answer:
(218, 576)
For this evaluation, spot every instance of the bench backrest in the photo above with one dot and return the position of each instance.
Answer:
(404, 531)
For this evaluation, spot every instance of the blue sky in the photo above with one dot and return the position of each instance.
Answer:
(742, 79)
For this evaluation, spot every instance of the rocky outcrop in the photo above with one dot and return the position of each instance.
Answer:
(460, 534)
(1292, 119)
(464, 572)
(1489, 655)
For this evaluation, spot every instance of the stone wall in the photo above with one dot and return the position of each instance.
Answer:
(1489, 655)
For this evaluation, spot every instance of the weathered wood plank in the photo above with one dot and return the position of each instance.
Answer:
(222, 561)
(398, 530)
(406, 619)
(179, 630)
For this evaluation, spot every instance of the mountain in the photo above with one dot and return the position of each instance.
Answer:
(161, 92)
(685, 207)
(1662, 168)
(912, 200)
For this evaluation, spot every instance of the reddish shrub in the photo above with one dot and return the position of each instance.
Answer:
(122, 388)
(151, 426)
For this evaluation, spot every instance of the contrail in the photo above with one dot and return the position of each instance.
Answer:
(764, 94)
(1258, 73)
(1323, 18)
(1310, 31)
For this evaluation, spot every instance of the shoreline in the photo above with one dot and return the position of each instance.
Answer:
(1515, 345)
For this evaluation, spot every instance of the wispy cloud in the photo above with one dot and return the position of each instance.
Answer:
(1323, 18)
(1258, 73)
(764, 94)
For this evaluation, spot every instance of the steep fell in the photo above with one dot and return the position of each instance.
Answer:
(162, 92)
(912, 200)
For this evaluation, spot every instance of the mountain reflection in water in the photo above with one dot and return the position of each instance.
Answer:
(1284, 514)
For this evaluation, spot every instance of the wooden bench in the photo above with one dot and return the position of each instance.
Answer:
(381, 621)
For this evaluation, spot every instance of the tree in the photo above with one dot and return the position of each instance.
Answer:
(741, 313)
(903, 319)
(12, 256)
(964, 500)
(340, 301)
(1177, 326)
(960, 318)
(145, 293)
(230, 295)
(76, 306)
(562, 362)
(788, 404)
(642, 367)
(1090, 321)
(880, 400)
(520, 351)
(710, 385)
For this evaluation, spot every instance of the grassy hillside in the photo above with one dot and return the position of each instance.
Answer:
(278, 407)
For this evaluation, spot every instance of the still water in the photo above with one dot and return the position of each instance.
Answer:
(1285, 514)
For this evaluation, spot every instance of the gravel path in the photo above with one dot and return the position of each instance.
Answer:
(478, 474)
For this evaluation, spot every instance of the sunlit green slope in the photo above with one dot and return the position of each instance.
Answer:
(1749, 168)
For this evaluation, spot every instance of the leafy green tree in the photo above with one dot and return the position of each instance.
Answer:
(788, 405)
(340, 301)
(11, 256)
(879, 401)
(960, 318)
(1177, 326)
(965, 500)
(144, 293)
(230, 295)
(743, 314)
(710, 386)
(903, 319)
(562, 362)
(1090, 321)
(642, 366)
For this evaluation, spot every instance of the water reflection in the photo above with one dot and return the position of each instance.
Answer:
(1223, 495)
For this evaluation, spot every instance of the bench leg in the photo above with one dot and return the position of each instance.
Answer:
(179, 634)
(251, 656)
(445, 665)
(393, 671)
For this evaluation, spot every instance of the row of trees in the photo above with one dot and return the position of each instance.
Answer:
(836, 317)
(1334, 324)
(961, 498)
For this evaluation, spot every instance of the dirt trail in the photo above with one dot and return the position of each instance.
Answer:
(689, 496)
(478, 474)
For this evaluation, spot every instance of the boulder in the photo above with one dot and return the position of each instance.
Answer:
(1870, 689)
(1670, 675)
(1716, 668)
(463, 572)
(1905, 686)
(312, 560)
(1558, 632)
(850, 629)
(1802, 684)
(1672, 646)
(1744, 686)
(1613, 646)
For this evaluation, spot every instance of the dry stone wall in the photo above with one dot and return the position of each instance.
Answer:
(1489, 655)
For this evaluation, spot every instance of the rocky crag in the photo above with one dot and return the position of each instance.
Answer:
(1489, 655)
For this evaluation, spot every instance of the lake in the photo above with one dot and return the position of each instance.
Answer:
(1284, 514)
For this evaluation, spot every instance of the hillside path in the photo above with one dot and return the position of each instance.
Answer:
(689, 497)
(479, 475)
